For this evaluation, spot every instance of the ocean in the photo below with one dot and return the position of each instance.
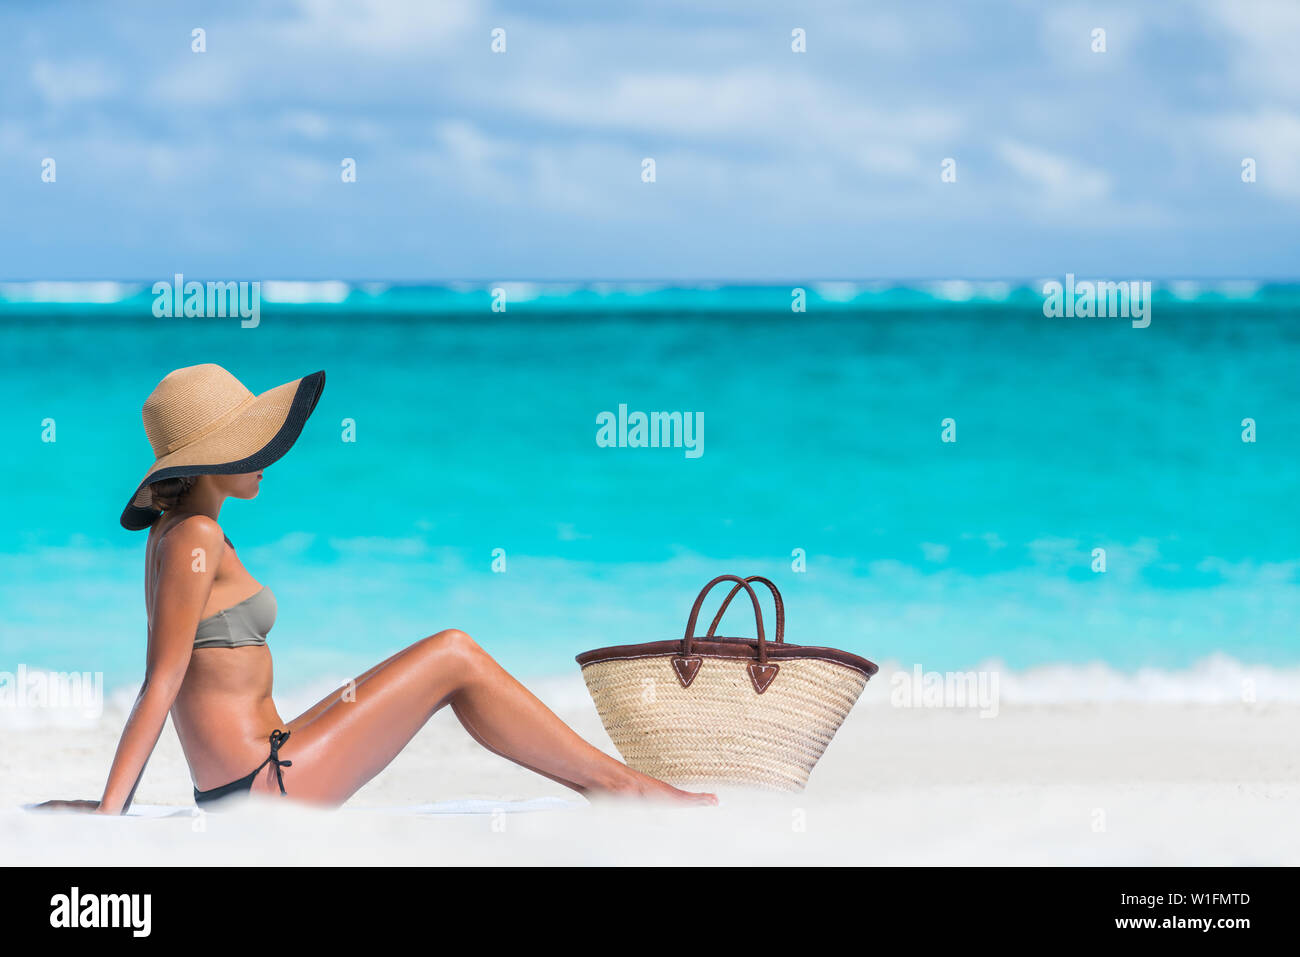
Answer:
(451, 475)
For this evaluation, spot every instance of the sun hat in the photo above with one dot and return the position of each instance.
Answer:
(201, 420)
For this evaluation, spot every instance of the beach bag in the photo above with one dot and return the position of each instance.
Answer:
(701, 712)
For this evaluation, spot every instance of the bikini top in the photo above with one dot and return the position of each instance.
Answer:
(246, 623)
(238, 626)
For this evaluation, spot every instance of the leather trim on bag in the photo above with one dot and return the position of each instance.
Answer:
(728, 648)
(687, 668)
(761, 676)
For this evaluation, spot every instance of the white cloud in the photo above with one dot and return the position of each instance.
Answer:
(1267, 35)
(1061, 182)
(599, 180)
(306, 123)
(201, 79)
(1068, 28)
(1270, 137)
(737, 106)
(73, 81)
(744, 131)
(383, 27)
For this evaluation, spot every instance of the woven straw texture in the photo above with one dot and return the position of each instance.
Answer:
(719, 731)
(203, 415)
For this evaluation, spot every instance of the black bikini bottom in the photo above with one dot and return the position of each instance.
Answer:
(245, 784)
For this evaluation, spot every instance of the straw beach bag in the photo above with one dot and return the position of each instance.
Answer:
(713, 710)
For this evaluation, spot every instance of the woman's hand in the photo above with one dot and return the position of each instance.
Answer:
(83, 806)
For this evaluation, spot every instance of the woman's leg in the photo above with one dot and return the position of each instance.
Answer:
(347, 742)
(337, 694)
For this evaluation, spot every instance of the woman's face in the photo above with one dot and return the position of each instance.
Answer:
(245, 485)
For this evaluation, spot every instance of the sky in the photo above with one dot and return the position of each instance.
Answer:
(769, 164)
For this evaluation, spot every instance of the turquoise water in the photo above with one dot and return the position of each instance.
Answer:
(476, 431)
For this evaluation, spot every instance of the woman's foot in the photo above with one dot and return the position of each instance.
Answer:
(634, 784)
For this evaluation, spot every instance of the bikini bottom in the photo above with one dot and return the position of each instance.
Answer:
(245, 784)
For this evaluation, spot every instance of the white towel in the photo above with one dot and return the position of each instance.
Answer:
(462, 806)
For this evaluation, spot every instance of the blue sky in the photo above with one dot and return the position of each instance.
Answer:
(771, 165)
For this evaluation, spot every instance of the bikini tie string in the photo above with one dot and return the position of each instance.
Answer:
(278, 738)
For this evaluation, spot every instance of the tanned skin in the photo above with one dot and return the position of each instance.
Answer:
(221, 706)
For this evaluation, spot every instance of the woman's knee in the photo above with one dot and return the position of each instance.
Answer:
(453, 642)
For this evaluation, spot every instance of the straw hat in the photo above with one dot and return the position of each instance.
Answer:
(202, 421)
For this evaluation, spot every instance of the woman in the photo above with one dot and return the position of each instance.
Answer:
(208, 663)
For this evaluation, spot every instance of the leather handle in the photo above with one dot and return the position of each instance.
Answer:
(776, 600)
(695, 614)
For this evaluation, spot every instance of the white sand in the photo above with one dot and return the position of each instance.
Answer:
(1114, 783)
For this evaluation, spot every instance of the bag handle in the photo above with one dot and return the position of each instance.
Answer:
(776, 599)
(687, 666)
(699, 600)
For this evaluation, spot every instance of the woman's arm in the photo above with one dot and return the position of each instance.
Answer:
(188, 558)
